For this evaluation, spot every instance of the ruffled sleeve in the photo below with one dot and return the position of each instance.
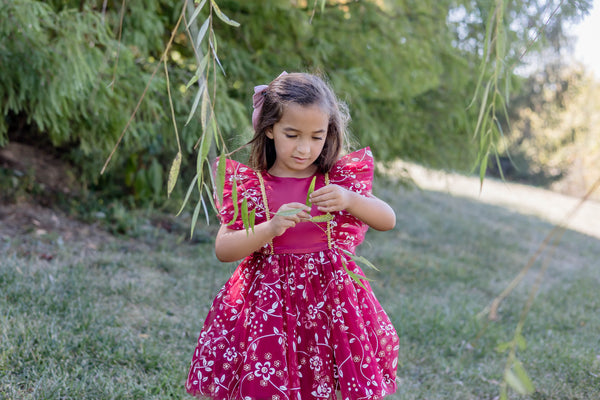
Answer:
(354, 171)
(247, 187)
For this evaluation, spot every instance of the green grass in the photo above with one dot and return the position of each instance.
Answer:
(121, 322)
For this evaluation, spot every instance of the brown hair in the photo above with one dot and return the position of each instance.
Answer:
(303, 89)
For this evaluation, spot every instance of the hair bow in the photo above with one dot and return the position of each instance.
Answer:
(258, 99)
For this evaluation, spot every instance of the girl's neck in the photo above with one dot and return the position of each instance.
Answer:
(306, 173)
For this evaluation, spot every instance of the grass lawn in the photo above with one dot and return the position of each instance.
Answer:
(119, 320)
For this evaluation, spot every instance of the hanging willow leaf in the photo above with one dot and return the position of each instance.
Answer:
(234, 198)
(360, 260)
(220, 178)
(483, 110)
(196, 12)
(187, 196)
(244, 210)
(204, 109)
(222, 16)
(204, 207)
(252, 219)
(193, 80)
(212, 41)
(482, 169)
(202, 32)
(195, 215)
(205, 143)
(210, 198)
(196, 102)
(215, 129)
(358, 278)
(174, 173)
(518, 379)
(199, 73)
(207, 139)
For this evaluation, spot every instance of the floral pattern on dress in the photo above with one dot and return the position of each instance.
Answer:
(295, 325)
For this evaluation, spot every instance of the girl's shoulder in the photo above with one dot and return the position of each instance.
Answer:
(234, 167)
(235, 183)
(232, 170)
(354, 171)
(358, 158)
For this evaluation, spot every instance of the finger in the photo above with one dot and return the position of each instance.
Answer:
(304, 216)
(320, 198)
(330, 206)
(325, 189)
(321, 191)
(297, 205)
(324, 209)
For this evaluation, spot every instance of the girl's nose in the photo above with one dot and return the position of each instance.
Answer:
(302, 146)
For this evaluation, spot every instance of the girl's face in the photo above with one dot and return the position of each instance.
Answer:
(299, 137)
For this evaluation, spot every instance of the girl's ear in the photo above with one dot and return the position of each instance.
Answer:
(269, 133)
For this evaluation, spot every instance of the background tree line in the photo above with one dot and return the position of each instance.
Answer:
(72, 73)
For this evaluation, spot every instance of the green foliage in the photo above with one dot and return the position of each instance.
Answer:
(16, 186)
(394, 66)
(73, 74)
(407, 69)
(69, 84)
(505, 43)
(555, 126)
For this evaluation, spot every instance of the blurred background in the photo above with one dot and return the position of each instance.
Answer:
(73, 71)
(103, 289)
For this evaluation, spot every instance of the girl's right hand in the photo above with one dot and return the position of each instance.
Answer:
(281, 223)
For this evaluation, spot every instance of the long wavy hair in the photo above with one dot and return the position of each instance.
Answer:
(305, 90)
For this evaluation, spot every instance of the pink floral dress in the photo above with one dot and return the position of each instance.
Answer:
(291, 323)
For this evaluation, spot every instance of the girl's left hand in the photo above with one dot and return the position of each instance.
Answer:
(331, 198)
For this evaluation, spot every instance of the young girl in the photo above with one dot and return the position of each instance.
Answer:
(291, 323)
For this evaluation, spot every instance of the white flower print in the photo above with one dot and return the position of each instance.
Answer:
(312, 311)
(207, 365)
(230, 354)
(315, 363)
(323, 390)
(338, 313)
(264, 370)
(292, 281)
(311, 266)
(339, 277)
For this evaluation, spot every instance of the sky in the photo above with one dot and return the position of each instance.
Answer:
(588, 35)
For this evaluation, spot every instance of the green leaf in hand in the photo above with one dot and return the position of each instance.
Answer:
(322, 218)
(311, 189)
(287, 213)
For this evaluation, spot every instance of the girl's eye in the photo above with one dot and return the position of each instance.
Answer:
(317, 138)
(287, 135)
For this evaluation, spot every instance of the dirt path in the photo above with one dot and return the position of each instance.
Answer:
(550, 206)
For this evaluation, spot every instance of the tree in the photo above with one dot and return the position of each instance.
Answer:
(408, 70)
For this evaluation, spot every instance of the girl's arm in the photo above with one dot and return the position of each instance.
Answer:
(372, 211)
(232, 244)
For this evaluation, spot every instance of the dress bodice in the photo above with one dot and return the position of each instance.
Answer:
(354, 172)
(305, 237)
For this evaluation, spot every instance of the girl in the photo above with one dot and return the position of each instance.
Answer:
(291, 323)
